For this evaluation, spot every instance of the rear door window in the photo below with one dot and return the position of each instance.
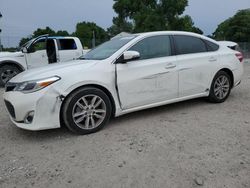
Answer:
(189, 45)
(211, 47)
(67, 44)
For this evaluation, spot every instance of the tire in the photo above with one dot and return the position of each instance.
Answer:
(7, 72)
(220, 88)
(86, 110)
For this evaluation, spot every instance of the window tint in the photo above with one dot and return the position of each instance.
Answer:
(153, 47)
(211, 46)
(189, 45)
(67, 44)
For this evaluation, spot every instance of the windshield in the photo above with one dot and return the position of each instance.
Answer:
(107, 49)
(27, 44)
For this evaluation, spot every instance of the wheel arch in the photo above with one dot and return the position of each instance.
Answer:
(104, 89)
(230, 73)
(12, 63)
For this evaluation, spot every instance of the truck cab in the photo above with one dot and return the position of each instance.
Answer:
(38, 52)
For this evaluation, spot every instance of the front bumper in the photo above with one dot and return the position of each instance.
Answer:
(45, 104)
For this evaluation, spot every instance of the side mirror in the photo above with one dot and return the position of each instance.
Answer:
(128, 56)
(24, 50)
(131, 55)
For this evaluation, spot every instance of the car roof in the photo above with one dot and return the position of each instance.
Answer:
(60, 37)
(54, 37)
(174, 33)
(166, 32)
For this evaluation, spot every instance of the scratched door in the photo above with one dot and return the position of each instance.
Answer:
(151, 79)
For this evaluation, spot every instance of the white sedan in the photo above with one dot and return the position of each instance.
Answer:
(123, 75)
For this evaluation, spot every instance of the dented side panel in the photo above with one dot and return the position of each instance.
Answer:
(149, 81)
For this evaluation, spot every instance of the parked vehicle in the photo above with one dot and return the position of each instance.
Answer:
(39, 52)
(123, 75)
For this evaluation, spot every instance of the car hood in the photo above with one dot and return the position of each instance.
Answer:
(59, 69)
(10, 54)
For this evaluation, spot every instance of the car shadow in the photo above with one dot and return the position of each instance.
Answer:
(50, 134)
(63, 132)
(175, 107)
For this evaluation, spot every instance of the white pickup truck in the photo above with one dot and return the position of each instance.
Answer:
(38, 52)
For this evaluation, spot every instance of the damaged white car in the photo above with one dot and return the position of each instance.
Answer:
(123, 75)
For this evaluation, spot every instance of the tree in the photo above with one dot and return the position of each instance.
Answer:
(85, 31)
(45, 31)
(62, 33)
(120, 25)
(185, 23)
(151, 15)
(236, 28)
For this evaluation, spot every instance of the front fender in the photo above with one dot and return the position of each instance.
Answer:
(110, 88)
(11, 61)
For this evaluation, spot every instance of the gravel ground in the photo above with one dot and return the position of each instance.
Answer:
(188, 144)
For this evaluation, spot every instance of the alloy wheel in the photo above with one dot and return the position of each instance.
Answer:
(89, 112)
(221, 87)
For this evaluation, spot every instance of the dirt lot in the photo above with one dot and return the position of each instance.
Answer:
(189, 144)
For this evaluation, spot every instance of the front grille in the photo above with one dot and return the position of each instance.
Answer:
(10, 86)
(10, 108)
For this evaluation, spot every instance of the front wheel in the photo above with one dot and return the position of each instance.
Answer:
(7, 72)
(220, 88)
(86, 110)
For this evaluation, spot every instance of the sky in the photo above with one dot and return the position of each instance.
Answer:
(22, 17)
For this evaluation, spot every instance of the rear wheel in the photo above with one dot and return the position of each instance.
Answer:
(220, 88)
(7, 72)
(86, 110)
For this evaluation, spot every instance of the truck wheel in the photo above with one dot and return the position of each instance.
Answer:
(86, 110)
(7, 72)
(220, 88)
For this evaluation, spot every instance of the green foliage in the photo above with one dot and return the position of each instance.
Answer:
(120, 25)
(133, 16)
(45, 31)
(236, 28)
(62, 33)
(84, 31)
(185, 23)
(151, 15)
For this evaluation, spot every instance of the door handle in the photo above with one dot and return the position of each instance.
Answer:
(170, 66)
(212, 59)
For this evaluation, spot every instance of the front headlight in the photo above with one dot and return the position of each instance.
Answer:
(35, 85)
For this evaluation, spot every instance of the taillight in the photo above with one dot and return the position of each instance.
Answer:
(240, 56)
